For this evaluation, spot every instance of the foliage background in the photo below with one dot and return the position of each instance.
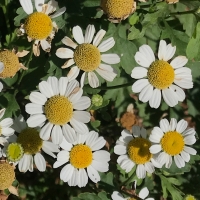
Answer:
(152, 21)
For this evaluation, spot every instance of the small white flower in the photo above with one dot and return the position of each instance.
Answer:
(53, 107)
(86, 55)
(144, 192)
(32, 145)
(157, 76)
(171, 140)
(39, 25)
(84, 159)
(134, 150)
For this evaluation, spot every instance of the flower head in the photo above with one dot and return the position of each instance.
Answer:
(83, 157)
(30, 142)
(39, 25)
(144, 192)
(134, 150)
(86, 55)
(160, 76)
(118, 10)
(7, 175)
(58, 103)
(97, 100)
(171, 140)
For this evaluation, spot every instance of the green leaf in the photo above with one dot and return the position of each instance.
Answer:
(134, 19)
(21, 15)
(91, 3)
(95, 124)
(193, 50)
(106, 182)
(87, 196)
(103, 195)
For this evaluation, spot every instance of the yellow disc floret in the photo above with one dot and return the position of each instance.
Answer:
(190, 197)
(7, 175)
(14, 152)
(87, 57)
(81, 156)
(11, 64)
(117, 8)
(172, 143)
(138, 150)
(58, 110)
(38, 26)
(160, 74)
(30, 140)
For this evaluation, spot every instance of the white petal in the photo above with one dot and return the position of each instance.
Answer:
(27, 6)
(179, 161)
(63, 156)
(58, 164)
(40, 162)
(74, 179)
(49, 147)
(106, 44)
(7, 131)
(106, 72)
(99, 36)
(190, 150)
(24, 163)
(189, 140)
(2, 112)
(144, 192)
(149, 167)
(146, 93)
(178, 62)
(82, 178)
(181, 126)
(155, 148)
(7, 122)
(38, 5)
(73, 73)
(169, 97)
(140, 171)
(57, 135)
(58, 12)
(98, 144)
(63, 81)
(37, 98)
(139, 72)
(185, 156)
(19, 124)
(68, 63)
(89, 33)
(164, 125)
(45, 45)
(82, 116)
(101, 156)
(32, 108)
(92, 137)
(1, 86)
(51, 7)
(69, 134)
(82, 81)
(1, 67)
(45, 89)
(184, 83)
(53, 82)
(93, 174)
(82, 104)
(100, 166)
(46, 131)
(110, 58)
(148, 52)
(79, 126)
(65, 145)
(64, 53)
(78, 34)
(117, 196)
(139, 85)
(66, 172)
(93, 80)
(72, 85)
(35, 120)
(156, 135)
(68, 42)
(120, 150)
(162, 49)
(155, 99)
(189, 131)
(178, 91)
(173, 124)
(76, 96)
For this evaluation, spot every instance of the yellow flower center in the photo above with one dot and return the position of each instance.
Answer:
(58, 110)
(117, 8)
(190, 197)
(14, 152)
(172, 143)
(30, 140)
(138, 150)
(11, 64)
(81, 156)
(7, 175)
(160, 74)
(38, 26)
(87, 57)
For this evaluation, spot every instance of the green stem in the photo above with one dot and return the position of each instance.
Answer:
(112, 87)
(185, 12)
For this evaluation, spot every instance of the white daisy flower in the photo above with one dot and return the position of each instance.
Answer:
(27, 148)
(39, 25)
(160, 76)
(5, 128)
(57, 103)
(171, 140)
(144, 192)
(134, 150)
(83, 157)
(86, 55)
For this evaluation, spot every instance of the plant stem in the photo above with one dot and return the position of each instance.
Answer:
(185, 12)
